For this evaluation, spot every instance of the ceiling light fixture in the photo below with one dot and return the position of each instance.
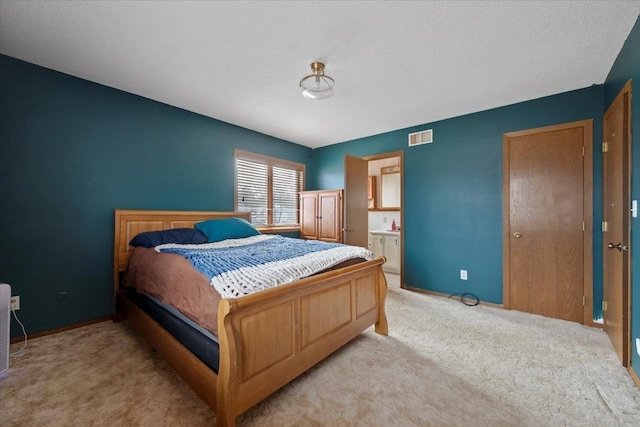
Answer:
(317, 85)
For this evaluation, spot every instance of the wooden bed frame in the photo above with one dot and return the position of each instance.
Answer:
(266, 339)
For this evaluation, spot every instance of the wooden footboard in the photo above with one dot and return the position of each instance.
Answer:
(269, 338)
(266, 339)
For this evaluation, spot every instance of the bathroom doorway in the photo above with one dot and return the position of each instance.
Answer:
(385, 201)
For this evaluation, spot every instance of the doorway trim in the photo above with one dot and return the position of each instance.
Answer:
(587, 205)
(399, 154)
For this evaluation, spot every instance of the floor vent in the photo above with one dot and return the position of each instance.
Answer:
(422, 137)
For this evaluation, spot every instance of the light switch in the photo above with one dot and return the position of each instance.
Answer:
(634, 208)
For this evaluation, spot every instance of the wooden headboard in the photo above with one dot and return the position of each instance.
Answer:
(129, 223)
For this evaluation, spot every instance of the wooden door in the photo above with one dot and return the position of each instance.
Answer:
(308, 215)
(616, 238)
(547, 220)
(329, 214)
(356, 211)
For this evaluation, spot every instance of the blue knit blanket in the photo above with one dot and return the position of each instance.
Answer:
(243, 266)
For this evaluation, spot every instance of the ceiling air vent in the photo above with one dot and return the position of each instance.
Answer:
(422, 137)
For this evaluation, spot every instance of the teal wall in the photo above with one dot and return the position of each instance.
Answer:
(453, 190)
(627, 66)
(62, 174)
(72, 151)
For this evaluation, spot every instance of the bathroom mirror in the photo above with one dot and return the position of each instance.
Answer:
(390, 187)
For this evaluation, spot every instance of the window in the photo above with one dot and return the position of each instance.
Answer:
(268, 188)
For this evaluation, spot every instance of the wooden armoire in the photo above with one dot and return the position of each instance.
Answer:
(321, 215)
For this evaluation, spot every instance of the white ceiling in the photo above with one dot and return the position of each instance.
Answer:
(396, 64)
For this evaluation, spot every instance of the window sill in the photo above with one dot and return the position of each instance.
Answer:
(276, 229)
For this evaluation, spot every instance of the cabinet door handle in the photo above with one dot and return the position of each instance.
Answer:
(396, 242)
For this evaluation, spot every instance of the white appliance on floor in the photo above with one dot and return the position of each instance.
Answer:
(5, 313)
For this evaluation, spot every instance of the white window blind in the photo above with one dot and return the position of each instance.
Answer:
(253, 188)
(268, 188)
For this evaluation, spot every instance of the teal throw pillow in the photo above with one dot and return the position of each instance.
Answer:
(227, 228)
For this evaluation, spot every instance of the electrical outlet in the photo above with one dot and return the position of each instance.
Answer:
(384, 219)
(15, 303)
(463, 274)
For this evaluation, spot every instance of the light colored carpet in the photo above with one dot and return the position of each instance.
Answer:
(444, 364)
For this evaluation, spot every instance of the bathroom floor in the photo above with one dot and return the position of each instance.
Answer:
(392, 279)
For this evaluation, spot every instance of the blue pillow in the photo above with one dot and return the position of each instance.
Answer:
(228, 228)
(185, 236)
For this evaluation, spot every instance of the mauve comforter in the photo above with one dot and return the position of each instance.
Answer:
(173, 280)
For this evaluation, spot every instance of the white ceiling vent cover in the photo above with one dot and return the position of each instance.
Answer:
(422, 137)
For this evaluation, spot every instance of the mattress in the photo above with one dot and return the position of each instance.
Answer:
(201, 342)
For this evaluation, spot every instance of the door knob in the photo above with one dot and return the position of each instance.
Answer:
(517, 235)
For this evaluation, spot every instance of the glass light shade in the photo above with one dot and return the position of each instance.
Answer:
(317, 90)
(317, 85)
